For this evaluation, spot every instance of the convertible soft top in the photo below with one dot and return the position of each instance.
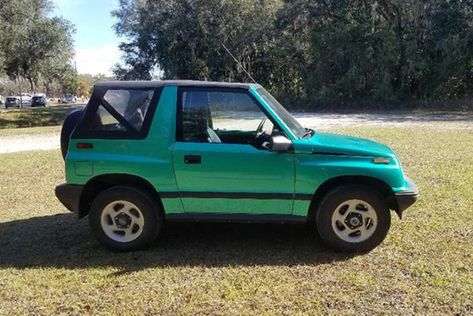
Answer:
(162, 83)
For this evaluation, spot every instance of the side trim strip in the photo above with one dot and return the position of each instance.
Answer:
(235, 218)
(236, 195)
(328, 153)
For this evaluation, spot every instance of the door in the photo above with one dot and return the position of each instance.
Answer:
(220, 159)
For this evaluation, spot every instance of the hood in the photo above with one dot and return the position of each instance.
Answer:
(348, 145)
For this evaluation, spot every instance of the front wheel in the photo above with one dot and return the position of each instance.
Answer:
(353, 218)
(125, 218)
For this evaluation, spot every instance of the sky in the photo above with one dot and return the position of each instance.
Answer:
(95, 42)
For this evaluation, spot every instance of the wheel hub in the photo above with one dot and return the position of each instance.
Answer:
(123, 220)
(354, 220)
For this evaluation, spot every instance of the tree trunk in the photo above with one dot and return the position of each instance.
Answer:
(32, 85)
(19, 89)
(401, 60)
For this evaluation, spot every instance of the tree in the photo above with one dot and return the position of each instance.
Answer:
(33, 44)
(183, 38)
(49, 45)
(308, 53)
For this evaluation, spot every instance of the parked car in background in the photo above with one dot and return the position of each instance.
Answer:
(39, 99)
(25, 99)
(68, 98)
(12, 101)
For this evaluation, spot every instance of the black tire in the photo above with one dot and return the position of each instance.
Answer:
(332, 202)
(146, 205)
(70, 123)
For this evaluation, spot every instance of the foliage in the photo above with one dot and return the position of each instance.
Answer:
(34, 45)
(309, 52)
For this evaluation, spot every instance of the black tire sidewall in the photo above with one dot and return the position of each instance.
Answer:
(343, 193)
(148, 207)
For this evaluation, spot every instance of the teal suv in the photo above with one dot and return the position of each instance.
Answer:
(145, 153)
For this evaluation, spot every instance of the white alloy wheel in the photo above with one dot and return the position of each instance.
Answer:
(122, 221)
(354, 221)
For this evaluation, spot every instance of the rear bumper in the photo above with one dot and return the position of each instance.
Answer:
(69, 196)
(405, 199)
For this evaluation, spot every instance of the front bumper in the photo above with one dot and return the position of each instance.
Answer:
(69, 196)
(405, 199)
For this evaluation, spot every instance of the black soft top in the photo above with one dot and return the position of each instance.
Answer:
(163, 83)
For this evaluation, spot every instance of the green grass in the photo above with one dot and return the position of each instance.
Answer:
(50, 263)
(34, 117)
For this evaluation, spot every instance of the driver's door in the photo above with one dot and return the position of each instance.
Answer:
(229, 171)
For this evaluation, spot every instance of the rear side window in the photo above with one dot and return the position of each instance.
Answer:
(104, 121)
(118, 113)
(132, 105)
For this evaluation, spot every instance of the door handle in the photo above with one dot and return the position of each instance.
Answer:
(192, 159)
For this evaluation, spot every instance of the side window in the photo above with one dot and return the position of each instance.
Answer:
(196, 120)
(221, 116)
(234, 112)
(104, 121)
(130, 107)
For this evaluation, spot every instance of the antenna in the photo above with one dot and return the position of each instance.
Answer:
(238, 63)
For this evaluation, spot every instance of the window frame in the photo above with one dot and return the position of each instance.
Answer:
(83, 131)
(180, 106)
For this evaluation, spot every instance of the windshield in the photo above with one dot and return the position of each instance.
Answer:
(282, 113)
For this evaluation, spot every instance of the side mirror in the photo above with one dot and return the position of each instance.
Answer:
(280, 143)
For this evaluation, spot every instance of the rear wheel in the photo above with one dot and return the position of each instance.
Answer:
(353, 218)
(125, 218)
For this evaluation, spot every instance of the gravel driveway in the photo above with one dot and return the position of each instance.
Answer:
(9, 144)
(322, 121)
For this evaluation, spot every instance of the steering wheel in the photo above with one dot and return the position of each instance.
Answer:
(261, 136)
(259, 129)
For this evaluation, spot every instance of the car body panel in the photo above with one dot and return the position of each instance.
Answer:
(235, 168)
(329, 143)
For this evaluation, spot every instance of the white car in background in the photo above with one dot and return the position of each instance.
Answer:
(25, 99)
(68, 98)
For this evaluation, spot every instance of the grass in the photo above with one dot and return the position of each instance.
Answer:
(34, 117)
(30, 130)
(50, 263)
